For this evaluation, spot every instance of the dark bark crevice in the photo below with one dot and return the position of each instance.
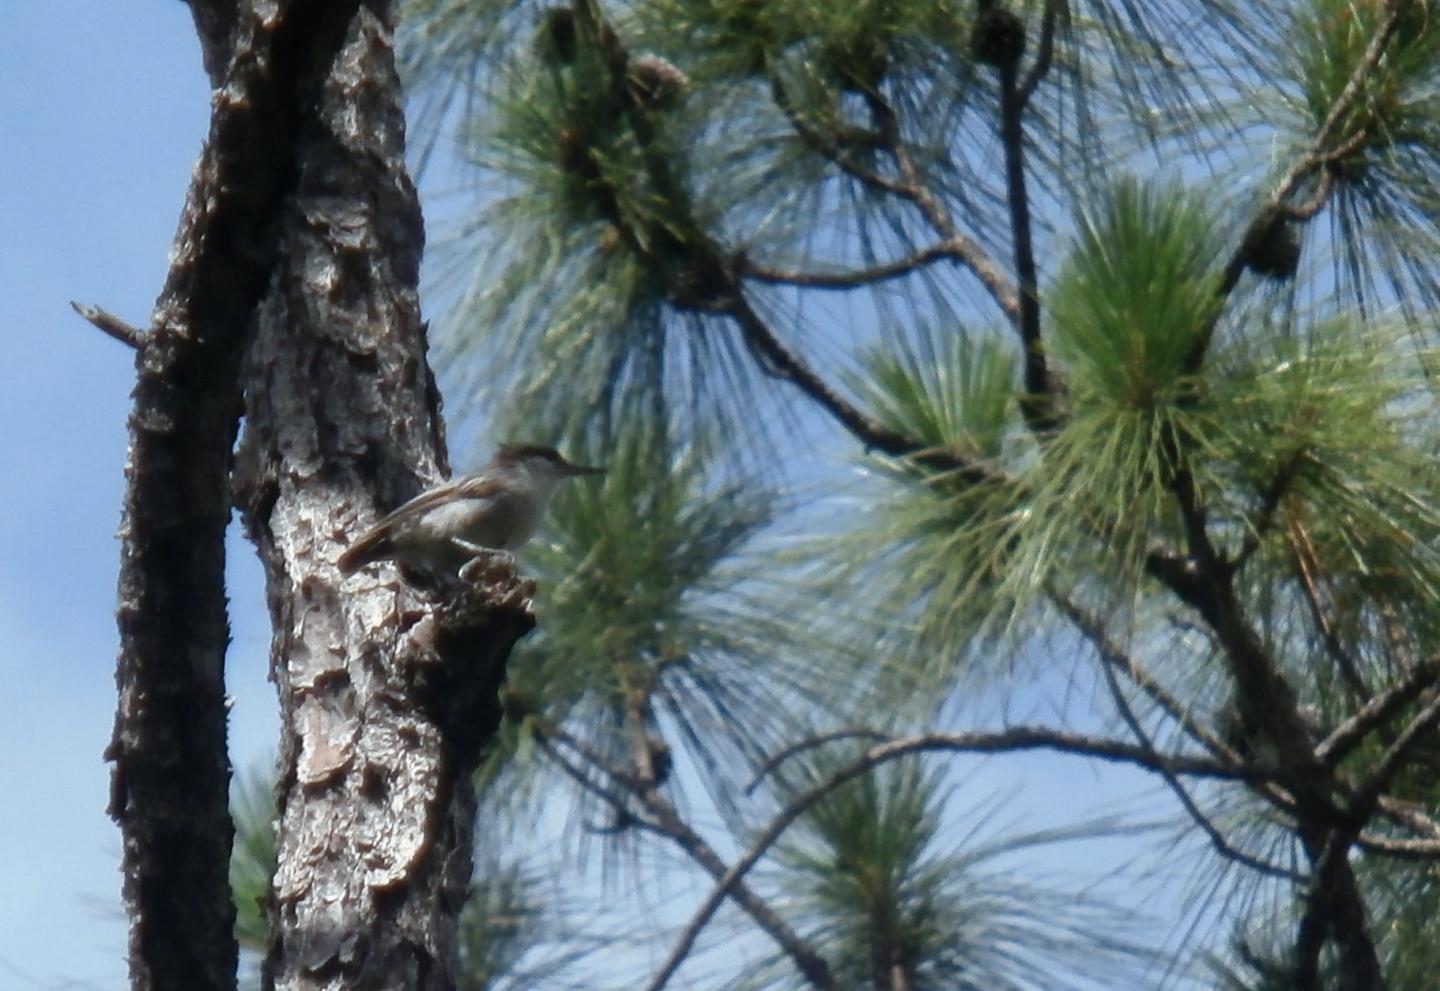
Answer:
(291, 299)
(171, 774)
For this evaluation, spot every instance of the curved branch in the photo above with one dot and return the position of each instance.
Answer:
(663, 820)
(1095, 633)
(1003, 741)
(909, 187)
(854, 278)
(1045, 57)
(811, 743)
(1374, 713)
(1319, 155)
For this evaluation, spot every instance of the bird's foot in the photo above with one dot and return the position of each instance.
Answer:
(489, 565)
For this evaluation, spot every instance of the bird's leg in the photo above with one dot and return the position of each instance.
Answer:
(480, 557)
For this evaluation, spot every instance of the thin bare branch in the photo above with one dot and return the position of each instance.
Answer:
(111, 325)
(1002, 741)
(909, 187)
(913, 188)
(837, 152)
(1391, 761)
(1307, 210)
(778, 360)
(1093, 631)
(1375, 713)
(616, 800)
(1410, 815)
(1111, 653)
(1044, 56)
(854, 278)
(811, 743)
(664, 820)
(1400, 849)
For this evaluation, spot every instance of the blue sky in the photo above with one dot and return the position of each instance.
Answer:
(103, 107)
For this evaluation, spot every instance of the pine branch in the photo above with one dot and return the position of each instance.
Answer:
(913, 188)
(909, 187)
(1317, 158)
(1045, 56)
(774, 761)
(1399, 849)
(1111, 659)
(855, 278)
(1375, 713)
(664, 820)
(1013, 740)
(1336, 906)
(1117, 659)
(1037, 405)
(1368, 791)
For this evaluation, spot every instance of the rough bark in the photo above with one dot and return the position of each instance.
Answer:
(387, 691)
(171, 775)
(291, 294)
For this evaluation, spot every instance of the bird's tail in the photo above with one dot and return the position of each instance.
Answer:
(373, 546)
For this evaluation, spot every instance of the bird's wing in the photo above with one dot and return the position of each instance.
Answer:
(465, 487)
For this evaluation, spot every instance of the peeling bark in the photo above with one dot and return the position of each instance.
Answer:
(387, 692)
(169, 789)
(292, 297)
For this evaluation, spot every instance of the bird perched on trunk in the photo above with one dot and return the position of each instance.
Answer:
(461, 521)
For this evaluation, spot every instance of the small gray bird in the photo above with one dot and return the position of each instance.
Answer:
(447, 527)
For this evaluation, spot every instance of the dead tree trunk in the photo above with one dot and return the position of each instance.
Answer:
(292, 298)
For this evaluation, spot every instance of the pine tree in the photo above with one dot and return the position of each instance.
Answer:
(1120, 314)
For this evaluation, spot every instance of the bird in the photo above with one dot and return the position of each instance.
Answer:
(468, 518)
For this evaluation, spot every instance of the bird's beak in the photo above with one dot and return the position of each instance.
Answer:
(571, 469)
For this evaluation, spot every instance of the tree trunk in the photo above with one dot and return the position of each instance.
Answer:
(387, 692)
(293, 285)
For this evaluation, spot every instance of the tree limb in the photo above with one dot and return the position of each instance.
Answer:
(1045, 55)
(169, 788)
(1376, 712)
(1037, 403)
(1095, 633)
(663, 820)
(854, 278)
(810, 743)
(1317, 157)
(108, 323)
(909, 187)
(1268, 706)
(1016, 739)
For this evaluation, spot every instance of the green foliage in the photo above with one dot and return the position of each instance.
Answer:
(1394, 104)
(627, 562)
(1136, 294)
(252, 860)
(868, 865)
(946, 390)
(1346, 420)
(1276, 420)
(652, 607)
(935, 551)
(499, 924)
(1385, 147)
(1409, 904)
